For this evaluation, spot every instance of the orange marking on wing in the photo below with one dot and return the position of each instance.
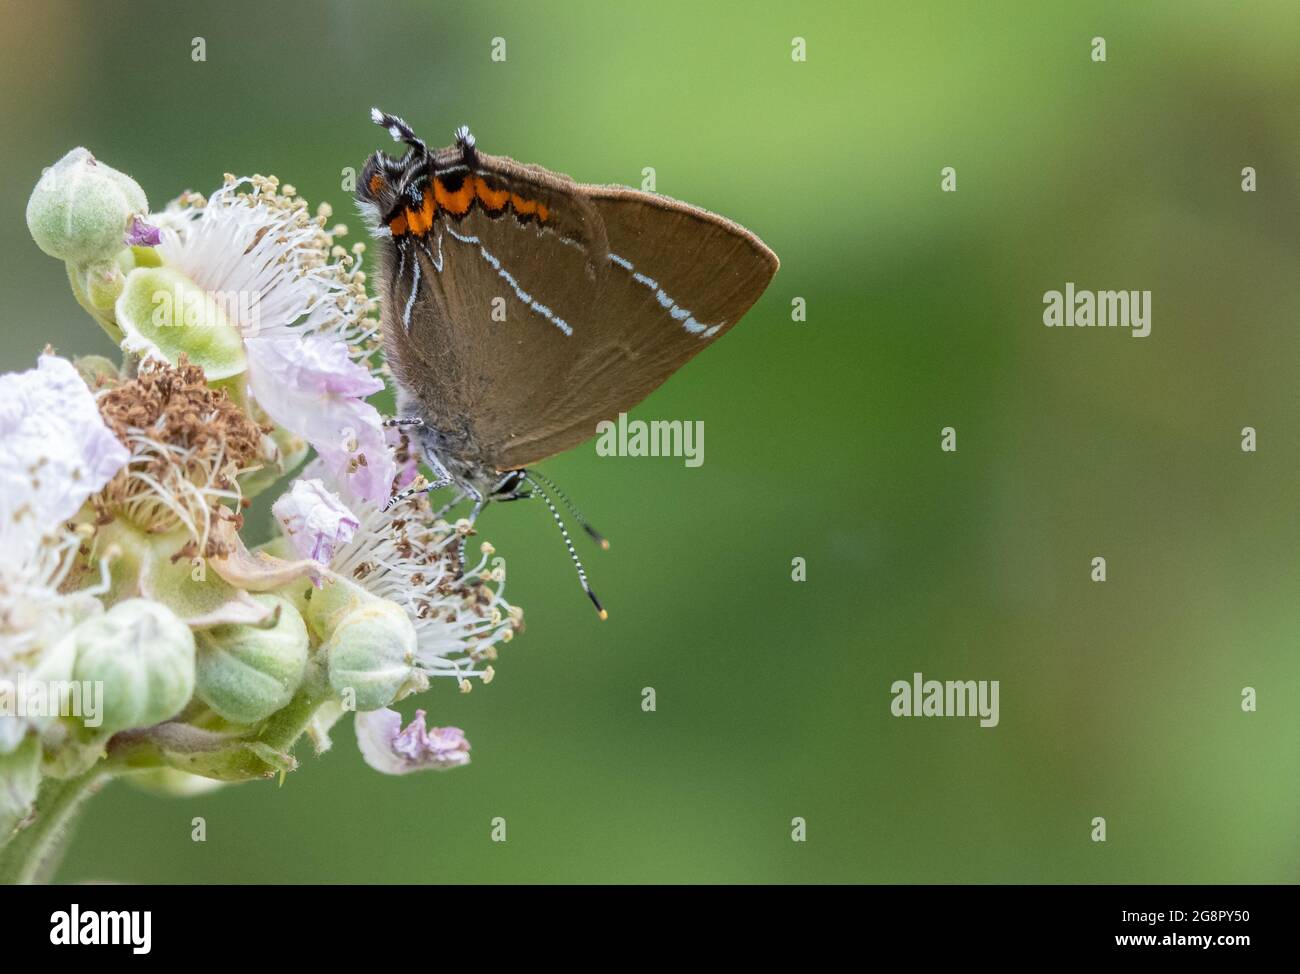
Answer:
(376, 183)
(422, 219)
(493, 199)
(542, 212)
(522, 206)
(459, 201)
(398, 224)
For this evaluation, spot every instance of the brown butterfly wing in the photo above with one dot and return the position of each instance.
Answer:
(677, 279)
(602, 301)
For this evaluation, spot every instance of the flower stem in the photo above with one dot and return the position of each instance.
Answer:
(34, 853)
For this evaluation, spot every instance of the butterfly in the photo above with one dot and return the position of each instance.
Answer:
(521, 308)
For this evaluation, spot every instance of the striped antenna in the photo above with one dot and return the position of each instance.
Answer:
(582, 573)
(577, 514)
(399, 130)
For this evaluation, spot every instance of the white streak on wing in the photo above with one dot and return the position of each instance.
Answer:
(675, 311)
(435, 261)
(410, 301)
(509, 278)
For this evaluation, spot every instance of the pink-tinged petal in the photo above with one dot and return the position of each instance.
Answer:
(312, 364)
(315, 520)
(409, 469)
(141, 234)
(391, 749)
(312, 388)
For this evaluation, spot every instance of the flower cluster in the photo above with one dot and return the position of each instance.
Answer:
(139, 631)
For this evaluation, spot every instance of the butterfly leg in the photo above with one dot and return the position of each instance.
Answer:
(441, 476)
(473, 518)
(412, 491)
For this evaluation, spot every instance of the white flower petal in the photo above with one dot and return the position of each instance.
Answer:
(310, 388)
(57, 453)
(315, 520)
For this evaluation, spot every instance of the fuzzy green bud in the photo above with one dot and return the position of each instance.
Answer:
(371, 654)
(80, 209)
(144, 656)
(325, 607)
(247, 673)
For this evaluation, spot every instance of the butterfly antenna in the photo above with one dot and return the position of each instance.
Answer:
(582, 573)
(399, 130)
(577, 514)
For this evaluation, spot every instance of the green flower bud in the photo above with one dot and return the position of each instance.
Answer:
(247, 673)
(371, 652)
(324, 608)
(161, 310)
(80, 209)
(144, 655)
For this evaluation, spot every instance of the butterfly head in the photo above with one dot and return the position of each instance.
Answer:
(388, 185)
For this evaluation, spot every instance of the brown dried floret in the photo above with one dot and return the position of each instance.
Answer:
(188, 443)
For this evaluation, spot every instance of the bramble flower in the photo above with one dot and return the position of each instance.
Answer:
(247, 334)
(299, 302)
(404, 556)
(57, 453)
(391, 749)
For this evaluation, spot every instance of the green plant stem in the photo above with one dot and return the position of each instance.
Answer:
(33, 854)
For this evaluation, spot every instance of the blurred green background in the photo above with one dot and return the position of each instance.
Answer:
(1119, 699)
